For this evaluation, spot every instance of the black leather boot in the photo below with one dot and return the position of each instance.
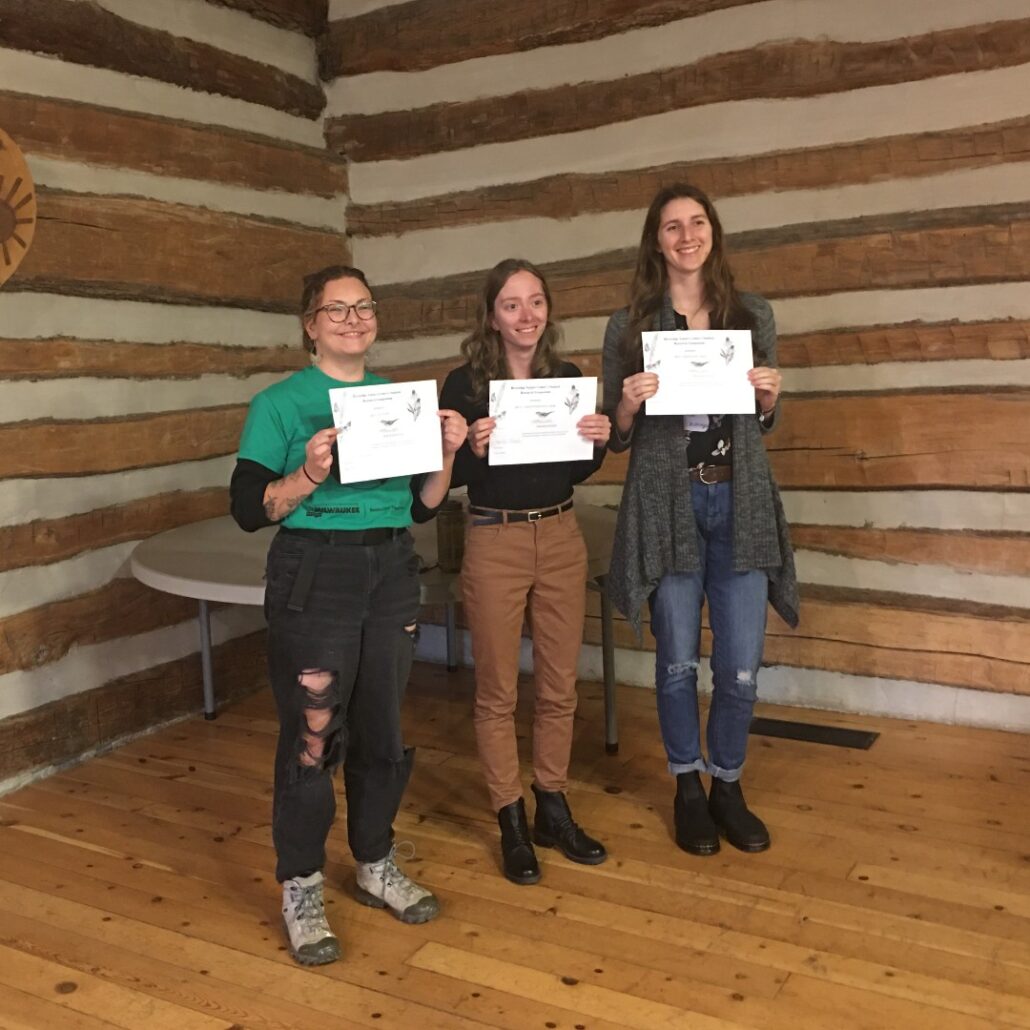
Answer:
(520, 864)
(696, 831)
(743, 829)
(554, 827)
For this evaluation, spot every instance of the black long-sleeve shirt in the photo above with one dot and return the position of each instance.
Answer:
(540, 485)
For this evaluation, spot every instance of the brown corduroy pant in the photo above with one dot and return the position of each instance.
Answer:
(511, 570)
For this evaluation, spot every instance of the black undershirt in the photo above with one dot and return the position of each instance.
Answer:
(711, 446)
(516, 487)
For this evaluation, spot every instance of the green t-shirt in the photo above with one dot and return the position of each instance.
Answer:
(280, 422)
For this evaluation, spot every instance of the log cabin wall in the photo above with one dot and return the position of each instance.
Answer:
(871, 163)
(183, 189)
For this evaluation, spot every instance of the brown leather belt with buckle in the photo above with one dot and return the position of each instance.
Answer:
(495, 516)
(711, 474)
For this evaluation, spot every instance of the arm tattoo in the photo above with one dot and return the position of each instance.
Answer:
(277, 508)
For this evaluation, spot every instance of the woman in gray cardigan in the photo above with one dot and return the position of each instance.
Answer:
(700, 515)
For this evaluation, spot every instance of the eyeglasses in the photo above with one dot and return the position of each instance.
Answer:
(338, 310)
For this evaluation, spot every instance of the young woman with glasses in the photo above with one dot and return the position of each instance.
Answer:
(341, 600)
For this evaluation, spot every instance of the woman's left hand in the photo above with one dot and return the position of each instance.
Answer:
(453, 430)
(595, 427)
(767, 382)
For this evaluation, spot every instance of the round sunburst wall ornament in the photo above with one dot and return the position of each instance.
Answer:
(17, 207)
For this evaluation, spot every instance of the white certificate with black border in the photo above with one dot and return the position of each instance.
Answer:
(386, 430)
(700, 372)
(536, 419)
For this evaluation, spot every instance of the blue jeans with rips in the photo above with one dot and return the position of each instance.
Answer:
(736, 612)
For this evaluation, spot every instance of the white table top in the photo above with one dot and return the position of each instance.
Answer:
(215, 560)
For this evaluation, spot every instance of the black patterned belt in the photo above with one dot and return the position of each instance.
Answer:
(494, 516)
(347, 537)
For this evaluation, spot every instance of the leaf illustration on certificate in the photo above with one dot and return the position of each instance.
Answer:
(415, 405)
(727, 351)
(650, 361)
(572, 400)
(496, 398)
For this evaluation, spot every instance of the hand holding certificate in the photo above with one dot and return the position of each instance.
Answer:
(700, 372)
(386, 430)
(536, 420)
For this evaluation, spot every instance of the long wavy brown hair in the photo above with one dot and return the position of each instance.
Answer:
(651, 278)
(483, 349)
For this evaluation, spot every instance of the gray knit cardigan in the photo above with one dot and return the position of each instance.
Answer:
(656, 532)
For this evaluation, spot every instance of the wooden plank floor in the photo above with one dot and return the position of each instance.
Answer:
(136, 889)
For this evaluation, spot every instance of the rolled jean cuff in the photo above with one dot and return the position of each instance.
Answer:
(700, 765)
(727, 775)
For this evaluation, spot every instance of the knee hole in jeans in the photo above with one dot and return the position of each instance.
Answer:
(744, 684)
(321, 716)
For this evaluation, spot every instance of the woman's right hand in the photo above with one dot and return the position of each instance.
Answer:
(635, 390)
(479, 435)
(318, 454)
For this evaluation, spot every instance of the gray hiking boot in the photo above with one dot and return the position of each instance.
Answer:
(311, 942)
(382, 885)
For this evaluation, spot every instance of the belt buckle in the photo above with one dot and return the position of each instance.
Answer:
(702, 468)
(534, 516)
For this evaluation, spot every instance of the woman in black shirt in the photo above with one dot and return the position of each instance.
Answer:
(524, 558)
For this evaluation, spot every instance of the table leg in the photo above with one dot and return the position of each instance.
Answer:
(452, 642)
(611, 715)
(205, 661)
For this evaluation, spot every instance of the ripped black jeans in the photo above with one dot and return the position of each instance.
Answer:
(341, 637)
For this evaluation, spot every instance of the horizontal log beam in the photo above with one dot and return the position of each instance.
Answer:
(62, 358)
(566, 196)
(133, 249)
(44, 541)
(918, 637)
(124, 607)
(928, 440)
(307, 16)
(806, 650)
(64, 730)
(90, 35)
(71, 131)
(914, 342)
(999, 553)
(1004, 341)
(801, 68)
(429, 33)
(70, 448)
(937, 248)
(863, 633)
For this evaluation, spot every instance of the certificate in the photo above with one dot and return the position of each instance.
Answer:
(536, 419)
(700, 372)
(386, 430)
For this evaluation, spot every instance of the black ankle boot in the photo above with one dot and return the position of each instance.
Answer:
(520, 864)
(743, 829)
(696, 831)
(554, 827)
